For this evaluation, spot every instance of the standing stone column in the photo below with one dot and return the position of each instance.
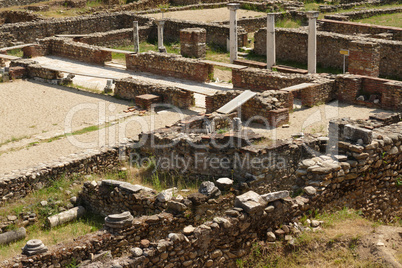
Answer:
(312, 41)
(136, 38)
(161, 47)
(271, 50)
(233, 31)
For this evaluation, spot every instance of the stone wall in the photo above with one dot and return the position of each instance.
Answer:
(387, 92)
(8, 3)
(216, 34)
(129, 88)
(217, 242)
(73, 50)
(346, 27)
(291, 45)
(367, 174)
(12, 16)
(366, 13)
(28, 32)
(18, 184)
(261, 80)
(122, 37)
(273, 106)
(170, 65)
(267, 166)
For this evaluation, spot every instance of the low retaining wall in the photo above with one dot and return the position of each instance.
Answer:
(129, 88)
(346, 27)
(388, 92)
(291, 45)
(170, 65)
(20, 183)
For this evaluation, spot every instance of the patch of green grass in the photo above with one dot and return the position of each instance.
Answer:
(13, 139)
(15, 52)
(288, 23)
(217, 53)
(392, 20)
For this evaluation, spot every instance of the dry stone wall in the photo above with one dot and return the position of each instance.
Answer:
(9, 3)
(217, 242)
(129, 88)
(12, 16)
(170, 65)
(29, 32)
(291, 45)
(366, 173)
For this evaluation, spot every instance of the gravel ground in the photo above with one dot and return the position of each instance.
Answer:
(206, 15)
(31, 108)
(316, 119)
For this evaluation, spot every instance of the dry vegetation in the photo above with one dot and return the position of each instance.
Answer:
(338, 244)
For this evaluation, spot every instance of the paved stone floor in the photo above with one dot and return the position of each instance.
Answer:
(99, 84)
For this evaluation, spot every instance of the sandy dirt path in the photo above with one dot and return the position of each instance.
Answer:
(207, 15)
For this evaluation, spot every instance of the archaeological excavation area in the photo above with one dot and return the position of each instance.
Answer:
(171, 133)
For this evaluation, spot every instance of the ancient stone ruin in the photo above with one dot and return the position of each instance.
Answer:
(255, 178)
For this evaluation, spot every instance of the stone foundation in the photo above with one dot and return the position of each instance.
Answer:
(291, 45)
(170, 65)
(130, 88)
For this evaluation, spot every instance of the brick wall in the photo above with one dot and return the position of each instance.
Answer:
(364, 58)
(193, 42)
(170, 65)
(389, 92)
(129, 88)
